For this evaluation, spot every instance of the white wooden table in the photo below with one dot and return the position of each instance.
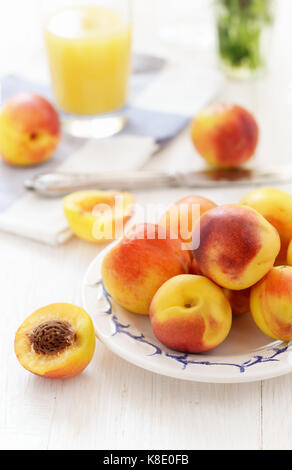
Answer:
(114, 405)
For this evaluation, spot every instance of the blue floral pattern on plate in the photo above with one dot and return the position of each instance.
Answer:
(271, 355)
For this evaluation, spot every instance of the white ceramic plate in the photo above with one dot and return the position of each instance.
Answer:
(246, 355)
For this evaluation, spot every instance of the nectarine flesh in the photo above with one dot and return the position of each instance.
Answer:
(98, 216)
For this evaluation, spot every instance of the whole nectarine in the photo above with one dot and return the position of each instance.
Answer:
(181, 217)
(289, 254)
(225, 135)
(271, 303)
(195, 267)
(190, 314)
(29, 130)
(276, 206)
(239, 300)
(135, 268)
(238, 246)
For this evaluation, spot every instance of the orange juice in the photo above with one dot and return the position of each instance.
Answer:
(89, 51)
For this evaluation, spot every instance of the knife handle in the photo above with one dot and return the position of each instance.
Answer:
(59, 184)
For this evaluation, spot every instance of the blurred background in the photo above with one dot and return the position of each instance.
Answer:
(172, 27)
(182, 31)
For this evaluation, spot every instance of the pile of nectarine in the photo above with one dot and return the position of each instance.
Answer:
(191, 273)
(190, 295)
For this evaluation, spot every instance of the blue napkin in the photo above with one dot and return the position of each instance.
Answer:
(161, 126)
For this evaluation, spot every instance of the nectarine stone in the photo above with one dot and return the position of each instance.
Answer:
(51, 337)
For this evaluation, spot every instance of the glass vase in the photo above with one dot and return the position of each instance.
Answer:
(244, 30)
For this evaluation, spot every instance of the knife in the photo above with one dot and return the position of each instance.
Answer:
(59, 184)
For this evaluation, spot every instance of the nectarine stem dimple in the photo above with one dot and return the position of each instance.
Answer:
(51, 337)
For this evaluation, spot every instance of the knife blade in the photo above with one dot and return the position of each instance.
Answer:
(59, 184)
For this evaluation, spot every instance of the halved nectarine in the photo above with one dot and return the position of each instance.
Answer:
(98, 216)
(56, 341)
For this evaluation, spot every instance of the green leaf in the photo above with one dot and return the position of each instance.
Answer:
(240, 24)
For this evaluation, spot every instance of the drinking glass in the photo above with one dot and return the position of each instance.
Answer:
(88, 46)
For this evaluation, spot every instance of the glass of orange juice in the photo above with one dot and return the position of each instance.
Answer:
(88, 45)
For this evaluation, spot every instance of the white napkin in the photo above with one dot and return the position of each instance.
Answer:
(182, 89)
(179, 89)
(42, 219)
